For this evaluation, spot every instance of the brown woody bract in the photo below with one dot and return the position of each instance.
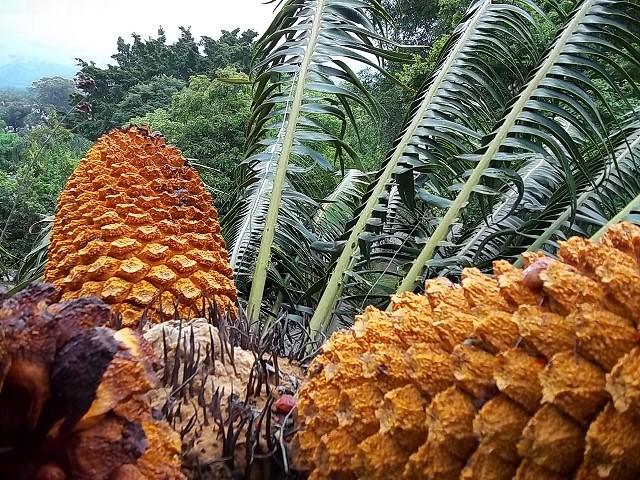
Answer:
(73, 394)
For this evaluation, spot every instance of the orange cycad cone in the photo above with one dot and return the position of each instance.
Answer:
(136, 227)
(531, 374)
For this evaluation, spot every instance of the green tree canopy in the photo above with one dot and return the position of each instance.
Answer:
(136, 66)
(52, 92)
(147, 97)
(31, 179)
(15, 107)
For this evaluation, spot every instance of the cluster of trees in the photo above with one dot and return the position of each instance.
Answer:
(34, 167)
(37, 155)
(24, 110)
(147, 73)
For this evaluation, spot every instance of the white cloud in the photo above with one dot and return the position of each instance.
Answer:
(60, 30)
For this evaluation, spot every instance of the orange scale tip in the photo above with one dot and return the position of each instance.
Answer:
(138, 218)
(161, 275)
(159, 185)
(574, 385)
(142, 294)
(124, 246)
(553, 440)
(70, 295)
(623, 382)
(134, 191)
(169, 227)
(115, 230)
(132, 269)
(115, 290)
(169, 199)
(85, 212)
(101, 181)
(168, 303)
(89, 196)
(109, 190)
(89, 289)
(206, 258)
(66, 210)
(200, 240)
(103, 268)
(147, 233)
(182, 265)
(176, 243)
(159, 214)
(147, 201)
(130, 315)
(93, 250)
(75, 277)
(120, 168)
(120, 198)
(226, 304)
(69, 261)
(206, 281)
(107, 218)
(96, 211)
(155, 252)
(185, 290)
(402, 409)
(190, 225)
(125, 209)
(150, 171)
(130, 179)
(195, 214)
(73, 224)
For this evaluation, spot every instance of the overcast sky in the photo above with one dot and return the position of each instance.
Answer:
(60, 30)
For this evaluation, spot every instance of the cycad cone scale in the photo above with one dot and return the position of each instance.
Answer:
(531, 374)
(136, 227)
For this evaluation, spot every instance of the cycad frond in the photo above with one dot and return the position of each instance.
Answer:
(299, 71)
(561, 90)
(453, 112)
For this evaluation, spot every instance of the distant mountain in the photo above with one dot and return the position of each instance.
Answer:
(20, 72)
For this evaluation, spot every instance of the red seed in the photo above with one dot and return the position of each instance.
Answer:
(531, 274)
(285, 403)
(50, 471)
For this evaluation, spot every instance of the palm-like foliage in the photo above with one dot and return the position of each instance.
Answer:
(31, 268)
(477, 150)
(299, 64)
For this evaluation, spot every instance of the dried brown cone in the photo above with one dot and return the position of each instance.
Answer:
(73, 394)
(537, 379)
(136, 227)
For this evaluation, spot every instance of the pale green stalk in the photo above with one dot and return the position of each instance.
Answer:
(264, 254)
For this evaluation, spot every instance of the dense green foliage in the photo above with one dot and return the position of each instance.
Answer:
(20, 110)
(32, 174)
(146, 73)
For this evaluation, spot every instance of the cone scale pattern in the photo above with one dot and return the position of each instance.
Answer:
(136, 227)
(531, 374)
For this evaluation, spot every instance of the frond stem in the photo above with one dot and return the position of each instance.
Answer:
(264, 254)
